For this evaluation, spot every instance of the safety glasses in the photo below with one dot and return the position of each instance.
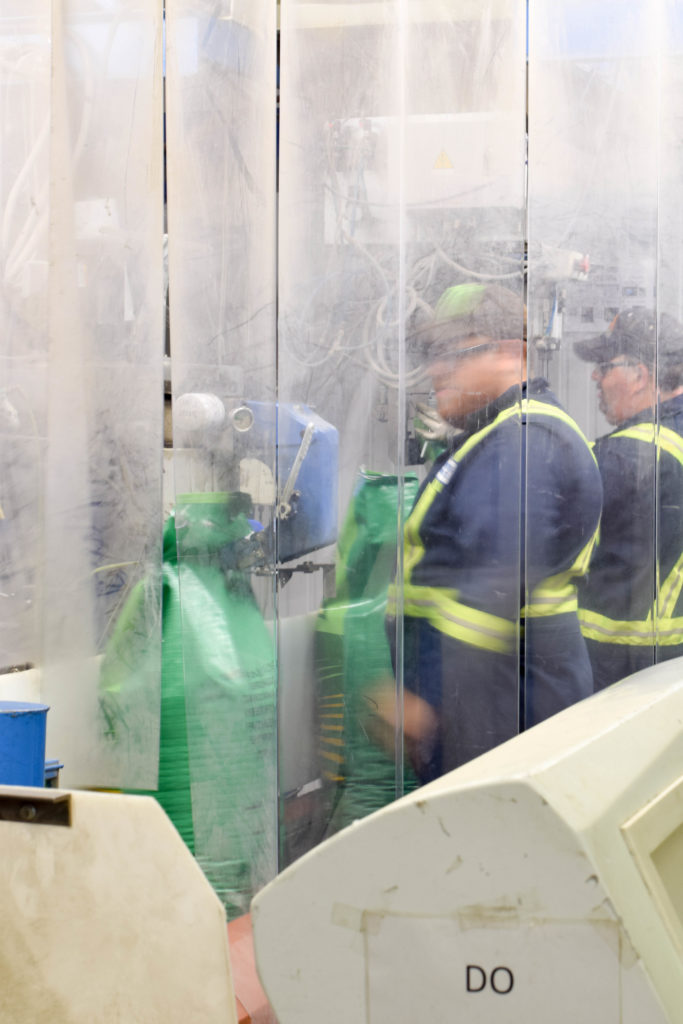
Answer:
(602, 369)
(455, 355)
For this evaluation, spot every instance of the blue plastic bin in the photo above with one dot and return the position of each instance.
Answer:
(22, 743)
(52, 770)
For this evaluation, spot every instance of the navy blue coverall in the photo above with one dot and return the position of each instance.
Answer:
(631, 609)
(501, 529)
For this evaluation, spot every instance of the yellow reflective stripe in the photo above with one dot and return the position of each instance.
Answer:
(670, 591)
(559, 604)
(412, 543)
(554, 596)
(552, 602)
(665, 438)
(645, 633)
(580, 566)
(460, 621)
(543, 409)
(474, 440)
(557, 595)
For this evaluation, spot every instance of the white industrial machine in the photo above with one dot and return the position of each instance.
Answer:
(541, 882)
(106, 915)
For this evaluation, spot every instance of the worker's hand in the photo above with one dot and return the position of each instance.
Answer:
(419, 720)
(430, 426)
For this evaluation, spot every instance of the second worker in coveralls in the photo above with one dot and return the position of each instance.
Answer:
(500, 531)
(631, 601)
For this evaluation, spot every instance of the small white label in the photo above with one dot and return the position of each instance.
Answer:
(447, 471)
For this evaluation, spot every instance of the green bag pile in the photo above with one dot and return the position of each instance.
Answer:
(217, 757)
(352, 653)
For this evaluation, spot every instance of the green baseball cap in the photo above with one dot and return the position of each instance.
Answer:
(476, 310)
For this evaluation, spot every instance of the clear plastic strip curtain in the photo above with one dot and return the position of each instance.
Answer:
(218, 762)
(81, 362)
(299, 442)
(594, 133)
(401, 174)
(604, 239)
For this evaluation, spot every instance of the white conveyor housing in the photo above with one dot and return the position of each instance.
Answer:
(106, 916)
(540, 882)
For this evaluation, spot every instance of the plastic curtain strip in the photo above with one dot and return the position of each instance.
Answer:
(593, 176)
(604, 239)
(219, 703)
(82, 301)
(25, 173)
(401, 173)
(299, 444)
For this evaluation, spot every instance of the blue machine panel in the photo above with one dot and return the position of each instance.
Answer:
(307, 469)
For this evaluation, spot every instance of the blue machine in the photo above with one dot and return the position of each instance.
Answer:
(307, 458)
(290, 456)
(22, 743)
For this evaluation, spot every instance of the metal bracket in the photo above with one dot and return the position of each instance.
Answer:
(35, 806)
(285, 505)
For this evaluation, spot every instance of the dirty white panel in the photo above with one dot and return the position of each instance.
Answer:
(104, 881)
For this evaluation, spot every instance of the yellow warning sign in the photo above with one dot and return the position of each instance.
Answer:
(443, 162)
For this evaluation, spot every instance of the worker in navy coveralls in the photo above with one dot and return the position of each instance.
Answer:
(631, 609)
(500, 532)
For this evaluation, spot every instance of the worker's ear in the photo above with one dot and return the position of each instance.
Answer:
(514, 352)
(643, 375)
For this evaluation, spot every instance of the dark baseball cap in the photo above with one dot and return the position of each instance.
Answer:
(639, 333)
(476, 310)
